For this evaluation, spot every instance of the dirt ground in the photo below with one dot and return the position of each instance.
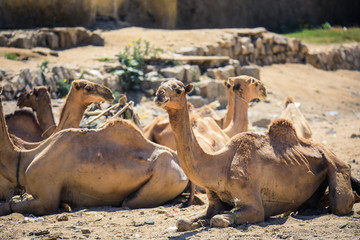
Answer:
(329, 100)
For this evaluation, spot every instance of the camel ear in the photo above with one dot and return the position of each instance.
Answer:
(48, 88)
(76, 85)
(35, 91)
(231, 81)
(189, 88)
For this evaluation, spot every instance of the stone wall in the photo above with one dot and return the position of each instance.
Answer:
(54, 38)
(346, 56)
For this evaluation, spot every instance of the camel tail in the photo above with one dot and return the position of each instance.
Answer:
(339, 178)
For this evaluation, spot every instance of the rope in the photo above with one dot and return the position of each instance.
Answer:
(42, 135)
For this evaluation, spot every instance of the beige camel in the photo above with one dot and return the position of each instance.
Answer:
(82, 93)
(210, 136)
(293, 114)
(256, 175)
(114, 165)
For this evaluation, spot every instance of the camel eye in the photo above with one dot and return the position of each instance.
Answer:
(178, 91)
(256, 84)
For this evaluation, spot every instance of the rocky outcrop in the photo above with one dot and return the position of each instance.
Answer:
(54, 38)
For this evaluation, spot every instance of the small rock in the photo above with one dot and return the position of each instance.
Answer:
(62, 217)
(150, 221)
(85, 231)
(39, 232)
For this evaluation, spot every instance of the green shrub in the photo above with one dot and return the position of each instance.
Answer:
(63, 87)
(133, 61)
(12, 56)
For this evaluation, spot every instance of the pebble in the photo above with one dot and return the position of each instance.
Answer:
(62, 217)
(150, 221)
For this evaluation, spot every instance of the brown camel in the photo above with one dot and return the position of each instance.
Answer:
(82, 93)
(294, 115)
(208, 111)
(210, 136)
(24, 125)
(40, 101)
(114, 165)
(256, 175)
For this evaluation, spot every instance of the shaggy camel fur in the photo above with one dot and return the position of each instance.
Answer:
(244, 181)
(210, 136)
(82, 93)
(293, 114)
(114, 165)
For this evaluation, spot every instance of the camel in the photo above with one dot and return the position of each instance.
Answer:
(39, 100)
(114, 165)
(244, 181)
(82, 93)
(293, 114)
(208, 111)
(24, 124)
(243, 89)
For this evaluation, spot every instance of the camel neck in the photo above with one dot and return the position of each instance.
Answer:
(230, 110)
(194, 161)
(239, 122)
(71, 113)
(46, 119)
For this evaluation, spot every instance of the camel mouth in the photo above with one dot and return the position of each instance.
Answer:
(109, 99)
(161, 101)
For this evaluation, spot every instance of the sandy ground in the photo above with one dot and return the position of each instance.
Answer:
(329, 100)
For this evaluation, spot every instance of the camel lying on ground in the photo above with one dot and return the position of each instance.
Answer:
(39, 100)
(82, 93)
(114, 165)
(256, 175)
(210, 136)
(24, 124)
(294, 115)
(208, 111)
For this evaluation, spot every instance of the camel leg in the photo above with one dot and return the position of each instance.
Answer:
(340, 191)
(250, 210)
(167, 181)
(215, 206)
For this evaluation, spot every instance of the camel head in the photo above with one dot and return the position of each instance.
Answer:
(90, 92)
(248, 87)
(172, 94)
(288, 100)
(31, 98)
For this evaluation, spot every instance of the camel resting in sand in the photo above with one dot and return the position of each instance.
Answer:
(256, 175)
(114, 165)
(24, 124)
(82, 93)
(211, 137)
(294, 115)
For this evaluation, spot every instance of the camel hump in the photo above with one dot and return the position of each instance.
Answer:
(288, 100)
(283, 131)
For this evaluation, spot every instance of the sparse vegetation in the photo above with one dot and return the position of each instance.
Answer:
(63, 87)
(104, 59)
(132, 61)
(12, 56)
(327, 35)
(44, 69)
